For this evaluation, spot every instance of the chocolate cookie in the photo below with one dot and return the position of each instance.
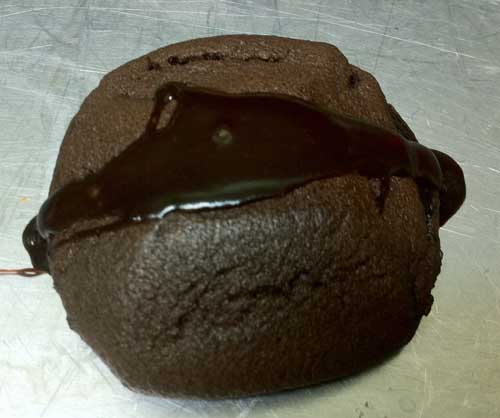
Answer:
(307, 283)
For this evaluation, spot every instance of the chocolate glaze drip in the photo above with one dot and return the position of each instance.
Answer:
(36, 246)
(222, 150)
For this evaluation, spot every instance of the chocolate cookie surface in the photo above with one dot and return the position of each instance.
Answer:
(274, 294)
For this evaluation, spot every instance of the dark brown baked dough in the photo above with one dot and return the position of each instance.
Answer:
(275, 294)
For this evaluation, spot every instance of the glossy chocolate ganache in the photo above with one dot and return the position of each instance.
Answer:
(221, 150)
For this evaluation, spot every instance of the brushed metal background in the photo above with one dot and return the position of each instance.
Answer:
(438, 63)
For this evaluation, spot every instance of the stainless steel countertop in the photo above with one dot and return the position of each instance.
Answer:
(438, 63)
